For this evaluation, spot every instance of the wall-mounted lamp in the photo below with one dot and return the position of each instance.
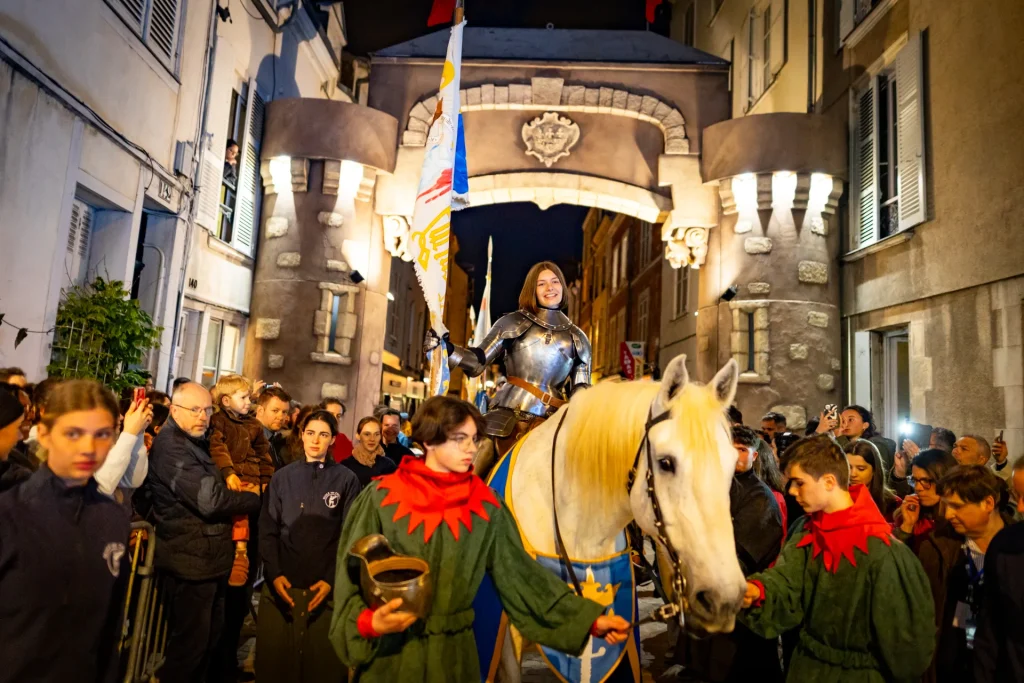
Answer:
(730, 294)
(390, 296)
(356, 277)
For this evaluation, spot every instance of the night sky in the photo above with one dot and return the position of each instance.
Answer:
(523, 235)
(377, 24)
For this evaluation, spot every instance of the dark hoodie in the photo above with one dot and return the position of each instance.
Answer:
(63, 572)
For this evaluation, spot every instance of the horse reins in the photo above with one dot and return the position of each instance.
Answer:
(669, 610)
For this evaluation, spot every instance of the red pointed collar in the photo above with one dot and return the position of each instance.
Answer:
(430, 497)
(835, 535)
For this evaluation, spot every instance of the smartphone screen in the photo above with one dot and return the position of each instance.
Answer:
(139, 394)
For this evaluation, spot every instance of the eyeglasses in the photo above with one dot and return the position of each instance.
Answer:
(925, 482)
(197, 411)
(461, 440)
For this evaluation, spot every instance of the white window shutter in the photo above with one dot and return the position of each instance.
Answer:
(76, 260)
(249, 174)
(846, 25)
(208, 210)
(131, 11)
(910, 135)
(162, 28)
(777, 58)
(865, 168)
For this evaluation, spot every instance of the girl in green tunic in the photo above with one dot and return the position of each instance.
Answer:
(860, 597)
(437, 510)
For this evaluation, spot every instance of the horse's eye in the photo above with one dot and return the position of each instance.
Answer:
(667, 465)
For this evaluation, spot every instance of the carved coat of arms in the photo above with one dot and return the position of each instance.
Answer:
(550, 137)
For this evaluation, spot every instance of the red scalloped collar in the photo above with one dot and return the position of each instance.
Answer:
(835, 535)
(430, 497)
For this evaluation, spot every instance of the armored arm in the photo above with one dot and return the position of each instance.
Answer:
(475, 360)
(581, 369)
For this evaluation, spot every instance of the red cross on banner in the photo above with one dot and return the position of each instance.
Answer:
(442, 11)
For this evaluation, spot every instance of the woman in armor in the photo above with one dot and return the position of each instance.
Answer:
(546, 356)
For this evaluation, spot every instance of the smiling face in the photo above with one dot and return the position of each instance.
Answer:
(317, 439)
(861, 471)
(78, 443)
(549, 290)
(456, 454)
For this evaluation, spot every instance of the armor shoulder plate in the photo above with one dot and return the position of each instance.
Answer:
(511, 325)
(582, 345)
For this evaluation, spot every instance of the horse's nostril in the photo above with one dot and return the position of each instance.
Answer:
(704, 600)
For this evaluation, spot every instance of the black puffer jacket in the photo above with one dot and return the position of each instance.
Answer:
(186, 499)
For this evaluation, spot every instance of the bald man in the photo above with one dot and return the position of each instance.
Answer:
(191, 508)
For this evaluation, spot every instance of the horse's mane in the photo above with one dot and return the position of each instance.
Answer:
(607, 423)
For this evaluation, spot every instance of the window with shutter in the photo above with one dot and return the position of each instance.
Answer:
(162, 29)
(775, 50)
(247, 206)
(76, 259)
(910, 134)
(207, 213)
(156, 22)
(865, 168)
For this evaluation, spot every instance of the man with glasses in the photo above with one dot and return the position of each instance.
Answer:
(187, 501)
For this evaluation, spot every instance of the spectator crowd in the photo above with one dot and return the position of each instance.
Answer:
(868, 558)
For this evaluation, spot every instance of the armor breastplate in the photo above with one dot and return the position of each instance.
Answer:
(543, 357)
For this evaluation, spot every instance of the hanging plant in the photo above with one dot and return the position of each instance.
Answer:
(102, 334)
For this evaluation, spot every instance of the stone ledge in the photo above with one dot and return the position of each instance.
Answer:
(754, 378)
(330, 358)
(337, 266)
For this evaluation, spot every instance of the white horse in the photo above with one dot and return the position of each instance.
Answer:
(695, 462)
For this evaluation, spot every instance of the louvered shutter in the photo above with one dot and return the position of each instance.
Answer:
(846, 24)
(777, 57)
(249, 174)
(76, 259)
(208, 211)
(910, 135)
(162, 28)
(132, 11)
(865, 169)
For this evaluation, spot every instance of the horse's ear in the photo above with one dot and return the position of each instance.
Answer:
(673, 379)
(725, 382)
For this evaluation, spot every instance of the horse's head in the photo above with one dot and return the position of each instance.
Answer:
(694, 463)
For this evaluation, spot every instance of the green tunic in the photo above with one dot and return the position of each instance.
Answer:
(869, 623)
(442, 649)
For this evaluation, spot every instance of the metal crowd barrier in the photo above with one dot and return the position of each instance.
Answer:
(144, 635)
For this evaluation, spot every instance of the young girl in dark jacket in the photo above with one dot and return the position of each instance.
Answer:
(63, 564)
(303, 512)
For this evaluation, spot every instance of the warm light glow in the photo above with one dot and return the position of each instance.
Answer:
(281, 173)
(783, 190)
(391, 297)
(489, 384)
(821, 190)
(695, 314)
(351, 177)
(744, 189)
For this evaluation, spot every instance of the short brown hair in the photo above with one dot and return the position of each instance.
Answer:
(439, 416)
(365, 421)
(332, 402)
(973, 483)
(321, 416)
(817, 456)
(74, 395)
(274, 392)
(528, 297)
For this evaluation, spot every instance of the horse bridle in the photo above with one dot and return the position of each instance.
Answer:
(669, 610)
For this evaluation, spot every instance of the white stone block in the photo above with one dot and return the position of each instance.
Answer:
(757, 245)
(634, 102)
(826, 382)
(546, 91)
(337, 266)
(275, 361)
(798, 351)
(662, 111)
(817, 319)
(421, 113)
(619, 99)
(501, 95)
(796, 416)
(648, 105)
(338, 391)
(812, 272)
(487, 94)
(573, 95)
(605, 98)
(412, 138)
(837, 364)
(330, 219)
(759, 288)
(674, 118)
(289, 259)
(519, 94)
(277, 226)
(321, 322)
(346, 326)
(268, 328)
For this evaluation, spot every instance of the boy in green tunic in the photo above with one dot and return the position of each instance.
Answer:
(860, 597)
(438, 510)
